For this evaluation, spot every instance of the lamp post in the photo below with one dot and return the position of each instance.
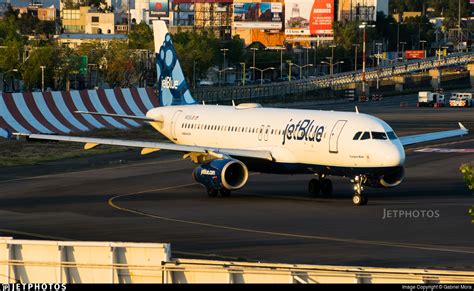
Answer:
(261, 72)
(302, 67)
(281, 49)
(194, 74)
(364, 26)
(422, 44)
(254, 49)
(243, 74)
(289, 70)
(3, 78)
(403, 50)
(378, 53)
(42, 78)
(224, 50)
(355, 45)
(220, 71)
(331, 65)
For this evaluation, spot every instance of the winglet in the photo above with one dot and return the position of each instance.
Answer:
(462, 127)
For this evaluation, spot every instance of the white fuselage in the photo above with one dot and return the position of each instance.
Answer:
(294, 136)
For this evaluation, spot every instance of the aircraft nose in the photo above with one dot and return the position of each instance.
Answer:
(394, 155)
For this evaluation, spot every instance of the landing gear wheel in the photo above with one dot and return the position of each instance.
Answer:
(364, 200)
(225, 192)
(326, 187)
(211, 192)
(314, 186)
(357, 200)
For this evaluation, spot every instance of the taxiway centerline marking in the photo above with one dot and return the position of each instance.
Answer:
(281, 234)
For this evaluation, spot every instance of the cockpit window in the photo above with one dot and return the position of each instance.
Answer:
(379, 135)
(357, 135)
(391, 135)
(365, 135)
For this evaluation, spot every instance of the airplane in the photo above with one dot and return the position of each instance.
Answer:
(228, 142)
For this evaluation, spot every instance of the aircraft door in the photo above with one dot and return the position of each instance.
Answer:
(266, 132)
(334, 137)
(260, 132)
(173, 124)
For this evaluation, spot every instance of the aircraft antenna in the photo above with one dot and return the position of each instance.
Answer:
(357, 110)
(233, 103)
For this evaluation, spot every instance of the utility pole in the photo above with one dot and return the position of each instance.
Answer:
(224, 50)
(243, 74)
(42, 78)
(194, 74)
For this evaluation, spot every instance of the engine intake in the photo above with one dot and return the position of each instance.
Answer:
(222, 173)
(387, 180)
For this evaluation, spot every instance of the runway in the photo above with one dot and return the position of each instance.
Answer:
(272, 219)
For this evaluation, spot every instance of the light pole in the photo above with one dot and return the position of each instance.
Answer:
(194, 74)
(302, 67)
(289, 70)
(261, 72)
(3, 78)
(224, 50)
(378, 53)
(243, 74)
(364, 26)
(42, 78)
(254, 49)
(331, 65)
(355, 45)
(403, 50)
(281, 49)
(422, 43)
(220, 71)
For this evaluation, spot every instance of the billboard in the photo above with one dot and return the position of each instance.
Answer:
(309, 17)
(159, 8)
(414, 54)
(264, 15)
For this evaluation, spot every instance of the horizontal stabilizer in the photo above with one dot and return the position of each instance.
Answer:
(133, 117)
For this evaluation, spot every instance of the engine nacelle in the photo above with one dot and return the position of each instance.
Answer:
(388, 180)
(222, 173)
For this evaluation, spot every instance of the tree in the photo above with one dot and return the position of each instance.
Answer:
(200, 47)
(141, 37)
(119, 67)
(31, 69)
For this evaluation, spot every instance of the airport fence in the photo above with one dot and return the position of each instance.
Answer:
(39, 261)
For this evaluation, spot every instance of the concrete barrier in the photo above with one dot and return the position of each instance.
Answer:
(36, 261)
(53, 112)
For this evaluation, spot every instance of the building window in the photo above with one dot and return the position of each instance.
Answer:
(95, 19)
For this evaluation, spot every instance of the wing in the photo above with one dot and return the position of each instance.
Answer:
(412, 139)
(133, 117)
(148, 147)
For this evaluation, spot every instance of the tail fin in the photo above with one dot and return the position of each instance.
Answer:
(172, 85)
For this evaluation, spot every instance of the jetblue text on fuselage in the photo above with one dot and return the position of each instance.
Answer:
(169, 83)
(303, 130)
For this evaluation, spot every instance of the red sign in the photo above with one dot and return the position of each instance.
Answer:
(322, 17)
(414, 54)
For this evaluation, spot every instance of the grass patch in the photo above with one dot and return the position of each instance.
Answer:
(23, 152)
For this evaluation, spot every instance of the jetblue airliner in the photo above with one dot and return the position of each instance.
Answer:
(230, 141)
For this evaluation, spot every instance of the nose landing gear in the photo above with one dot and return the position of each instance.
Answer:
(358, 199)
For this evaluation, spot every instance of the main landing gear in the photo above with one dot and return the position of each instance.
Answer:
(321, 185)
(212, 192)
(358, 199)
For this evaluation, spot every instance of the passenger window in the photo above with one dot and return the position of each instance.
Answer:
(365, 135)
(357, 135)
(379, 135)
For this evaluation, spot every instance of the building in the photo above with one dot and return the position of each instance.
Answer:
(74, 40)
(363, 10)
(38, 11)
(88, 20)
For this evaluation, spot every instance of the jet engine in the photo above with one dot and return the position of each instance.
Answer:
(229, 174)
(387, 180)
